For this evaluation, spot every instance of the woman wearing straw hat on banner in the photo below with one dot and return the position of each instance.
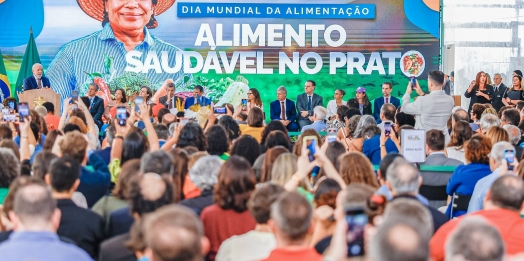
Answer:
(124, 44)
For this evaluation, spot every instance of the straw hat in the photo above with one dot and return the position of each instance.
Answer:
(95, 8)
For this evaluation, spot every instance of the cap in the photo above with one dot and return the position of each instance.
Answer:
(361, 89)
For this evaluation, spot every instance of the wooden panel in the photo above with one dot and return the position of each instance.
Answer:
(38, 97)
(457, 99)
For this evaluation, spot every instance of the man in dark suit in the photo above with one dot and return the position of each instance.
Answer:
(283, 109)
(170, 100)
(500, 89)
(306, 102)
(449, 84)
(198, 98)
(37, 80)
(96, 104)
(83, 226)
(387, 87)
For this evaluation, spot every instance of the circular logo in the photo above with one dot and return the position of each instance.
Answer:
(412, 64)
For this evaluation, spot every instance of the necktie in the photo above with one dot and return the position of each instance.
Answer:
(308, 103)
(91, 102)
(39, 81)
(387, 100)
(170, 105)
(283, 111)
(496, 88)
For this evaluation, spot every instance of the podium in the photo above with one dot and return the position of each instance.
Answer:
(38, 97)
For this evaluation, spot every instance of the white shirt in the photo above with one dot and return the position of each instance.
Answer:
(332, 108)
(253, 245)
(454, 153)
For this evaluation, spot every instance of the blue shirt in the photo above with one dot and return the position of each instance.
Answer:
(317, 125)
(67, 70)
(41, 246)
(371, 148)
(481, 189)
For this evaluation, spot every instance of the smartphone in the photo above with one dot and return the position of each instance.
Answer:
(74, 95)
(9, 118)
(387, 128)
(220, 110)
(23, 110)
(311, 144)
(332, 135)
(74, 106)
(121, 115)
(413, 83)
(138, 100)
(11, 105)
(509, 155)
(244, 104)
(356, 219)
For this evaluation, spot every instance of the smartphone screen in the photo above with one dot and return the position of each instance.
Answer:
(356, 220)
(244, 104)
(121, 116)
(220, 110)
(311, 143)
(12, 106)
(387, 128)
(332, 135)
(23, 110)
(138, 100)
(509, 155)
(74, 95)
(413, 83)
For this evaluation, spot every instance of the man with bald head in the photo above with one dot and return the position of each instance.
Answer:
(459, 115)
(37, 80)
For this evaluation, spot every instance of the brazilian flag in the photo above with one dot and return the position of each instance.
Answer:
(4, 82)
(30, 57)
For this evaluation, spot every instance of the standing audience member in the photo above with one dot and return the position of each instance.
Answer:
(449, 85)
(514, 93)
(306, 102)
(499, 89)
(36, 219)
(51, 119)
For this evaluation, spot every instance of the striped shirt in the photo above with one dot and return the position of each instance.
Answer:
(67, 70)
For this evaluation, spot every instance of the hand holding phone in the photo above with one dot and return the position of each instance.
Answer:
(509, 155)
(121, 115)
(220, 110)
(244, 104)
(311, 144)
(387, 128)
(23, 111)
(74, 96)
(138, 101)
(413, 83)
(356, 220)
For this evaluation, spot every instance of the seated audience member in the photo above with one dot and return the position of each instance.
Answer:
(147, 194)
(413, 211)
(460, 134)
(463, 180)
(503, 203)
(258, 243)
(105, 153)
(9, 170)
(93, 184)
(472, 232)
(6, 132)
(229, 216)
(290, 221)
(487, 121)
(51, 119)
(217, 142)
(174, 233)
(204, 174)
(319, 115)
(460, 115)
(255, 124)
(356, 168)
(511, 117)
(476, 115)
(435, 155)
(387, 114)
(192, 135)
(357, 141)
(514, 139)
(81, 225)
(247, 147)
(338, 122)
(36, 219)
(496, 134)
(404, 181)
(270, 127)
(498, 166)
(372, 144)
(283, 110)
(231, 126)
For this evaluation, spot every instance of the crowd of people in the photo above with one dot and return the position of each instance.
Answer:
(90, 184)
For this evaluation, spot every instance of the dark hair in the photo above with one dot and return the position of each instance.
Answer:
(477, 109)
(10, 144)
(520, 105)
(180, 164)
(149, 92)
(334, 150)
(199, 87)
(141, 205)
(437, 77)
(460, 133)
(158, 161)
(230, 107)
(512, 116)
(51, 138)
(135, 144)
(341, 111)
(389, 84)
(353, 103)
(273, 126)
(124, 96)
(42, 163)
(161, 113)
(217, 142)
(162, 131)
(63, 173)
(192, 135)
(350, 113)
(277, 138)
(86, 101)
(312, 82)
(5, 132)
(236, 181)
(267, 166)
(341, 92)
(255, 118)
(385, 162)
(258, 100)
(326, 193)
(6, 101)
(242, 116)
(35, 131)
(130, 171)
(49, 106)
(435, 139)
(71, 127)
(508, 192)
(231, 127)
(402, 119)
(259, 203)
(247, 147)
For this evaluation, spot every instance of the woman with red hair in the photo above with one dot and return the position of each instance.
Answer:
(479, 91)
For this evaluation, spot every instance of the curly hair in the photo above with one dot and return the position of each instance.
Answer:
(460, 134)
(236, 182)
(231, 127)
(192, 135)
(9, 167)
(356, 168)
(477, 109)
(217, 142)
(273, 126)
(297, 149)
(477, 149)
(246, 146)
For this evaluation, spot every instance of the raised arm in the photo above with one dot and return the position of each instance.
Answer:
(151, 134)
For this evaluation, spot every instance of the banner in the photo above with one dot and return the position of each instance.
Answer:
(338, 44)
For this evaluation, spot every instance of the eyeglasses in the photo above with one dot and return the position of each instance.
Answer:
(249, 93)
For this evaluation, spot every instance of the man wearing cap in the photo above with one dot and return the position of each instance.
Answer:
(37, 80)
(500, 89)
(449, 86)
(125, 28)
(387, 98)
(306, 102)
(170, 100)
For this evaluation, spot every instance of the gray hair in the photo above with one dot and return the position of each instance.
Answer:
(9, 167)
(34, 205)
(497, 151)
(403, 177)
(406, 208)
(489, 120)
(158, 161)
(472, 232)
(204, 172)
(282, 89)
(363, 122)
(514, 133)
(320, 112)
(292, 215)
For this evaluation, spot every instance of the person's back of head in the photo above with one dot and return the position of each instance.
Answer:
(150, 192)
(511, 116)
(49, 106)
(351, 112)
(175, 233)
(64, 174)
(370, 131)
(259, 204)
(9, 167)
(291, 216)
(496, 155)
(159, 161)
(436, 78)
(217, 141)
(162, 131)
(320, 113)
(435, 140)
(489, 120)
(399, 240)
(385, 162)
(161, 113)
(520, 105)
(403, 208)
(475, 239)
(507, 192)
(34, 209)
(461, 115)
(70, 127)
(5, 132)
(514, 133)
(388, 110)
(74, 144)
(403, 178)
(204, 173)
(277, 138)
(41, 110)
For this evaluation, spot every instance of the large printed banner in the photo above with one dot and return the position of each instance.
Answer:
(131, 43)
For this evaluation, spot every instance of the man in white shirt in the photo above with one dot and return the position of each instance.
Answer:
(431, 111)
